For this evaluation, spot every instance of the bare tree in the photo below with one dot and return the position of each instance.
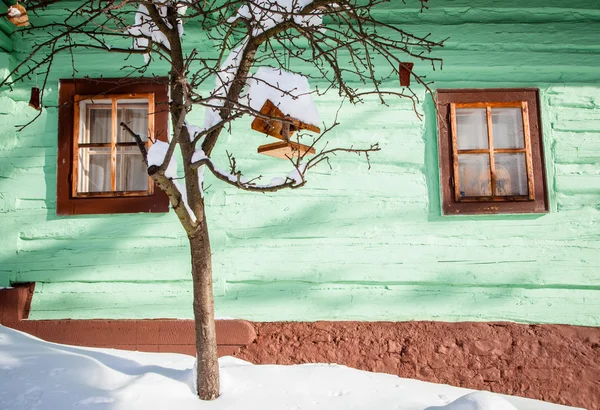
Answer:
(338, 40)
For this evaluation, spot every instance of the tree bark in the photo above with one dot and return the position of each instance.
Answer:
(206, 338)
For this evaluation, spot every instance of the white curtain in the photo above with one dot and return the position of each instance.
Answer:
(131, 170)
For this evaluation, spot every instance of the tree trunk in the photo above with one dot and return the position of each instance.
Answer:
(206, 338)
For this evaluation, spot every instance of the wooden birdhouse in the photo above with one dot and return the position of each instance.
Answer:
(286, 99)
(17, 15)
(275, 128)
(286, 148)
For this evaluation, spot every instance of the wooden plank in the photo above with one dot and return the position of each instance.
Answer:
(397, 303)
(328, 301)
(76, 135)
(151, 135)
(528, 158)
(113, 147)
(111, 194)
(286, 149)
(492, 104)
(126, 96)
(497, 199)
(95, 145)
(6, 43)
(454, 130)
(6, 28)
(496, 150)
(488, 115)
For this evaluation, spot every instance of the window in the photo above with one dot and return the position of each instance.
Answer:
(100, 167)
(491, 158)
(107, 161)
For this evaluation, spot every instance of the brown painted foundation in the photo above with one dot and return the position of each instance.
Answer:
(146, 335)
(555, 363)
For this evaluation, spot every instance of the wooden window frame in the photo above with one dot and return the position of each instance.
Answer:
(71, 93)
(448, 100)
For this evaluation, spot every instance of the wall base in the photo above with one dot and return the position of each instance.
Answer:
(555, 363)
(146, 335)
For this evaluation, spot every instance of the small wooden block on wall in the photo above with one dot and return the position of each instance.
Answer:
(405, 72)
(285, 149)
(15, 302)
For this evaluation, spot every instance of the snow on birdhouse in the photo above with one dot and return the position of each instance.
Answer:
(278, 93)
(17, 15)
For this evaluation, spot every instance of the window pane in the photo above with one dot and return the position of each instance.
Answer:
(94, 170)
(471, 128)
(507, 127)
(134, 113)
(474, 175)
(511, 174)
(97, 126)
(132, 174)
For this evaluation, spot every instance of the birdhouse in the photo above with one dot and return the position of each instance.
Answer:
(17, 15)
(275, 128)
(286, 99)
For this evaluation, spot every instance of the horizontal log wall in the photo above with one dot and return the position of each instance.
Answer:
(354, 243)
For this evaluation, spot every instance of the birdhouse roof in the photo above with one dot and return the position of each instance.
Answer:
(288, 91)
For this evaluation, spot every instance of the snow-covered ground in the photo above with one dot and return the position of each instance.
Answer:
(38, 375)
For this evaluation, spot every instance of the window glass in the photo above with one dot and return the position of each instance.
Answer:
(132, 174)
(511, 174)
(471, 128)
(474, 175)
(95, 120)
(94, 170)
(134, 113)
(507, 128)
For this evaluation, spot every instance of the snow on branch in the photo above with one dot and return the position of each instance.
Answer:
(263, 15)
(156, 158)
(167, 181)
(296, 178)
(145, 29)
(223, 81)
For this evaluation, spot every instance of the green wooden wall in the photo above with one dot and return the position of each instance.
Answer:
(354, 243)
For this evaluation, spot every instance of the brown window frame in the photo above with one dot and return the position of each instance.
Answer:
(71, 93)
(448, 100)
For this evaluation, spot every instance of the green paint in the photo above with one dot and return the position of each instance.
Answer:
(354, 243)
(6, 28)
